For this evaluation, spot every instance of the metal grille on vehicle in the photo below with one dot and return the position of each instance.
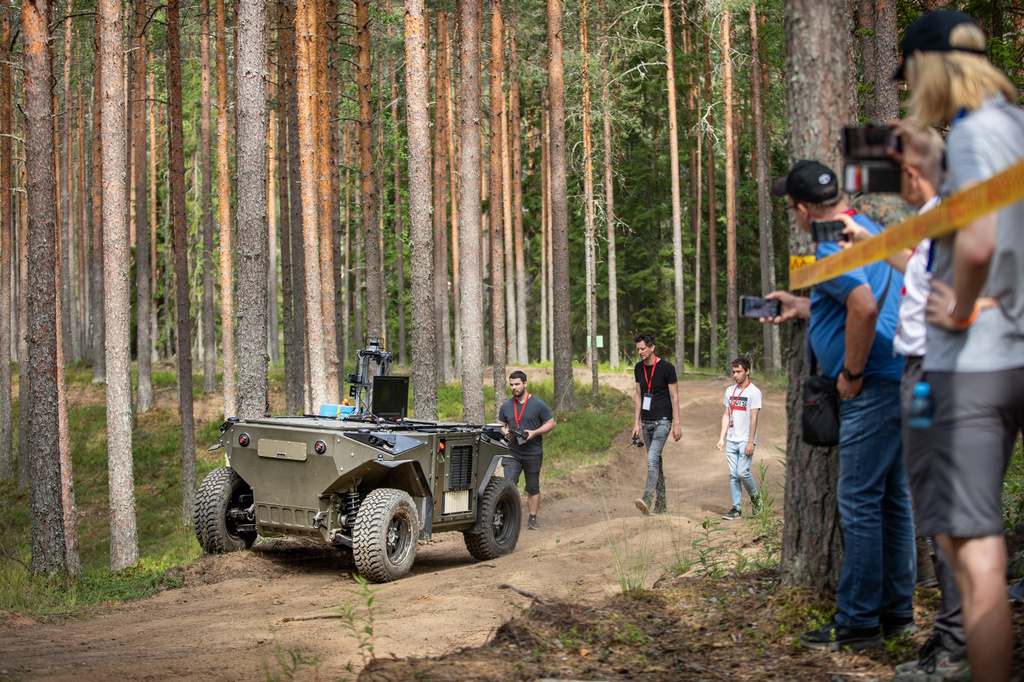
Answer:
(461, 467)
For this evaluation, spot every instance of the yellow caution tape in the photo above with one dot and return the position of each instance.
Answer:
(998, 191)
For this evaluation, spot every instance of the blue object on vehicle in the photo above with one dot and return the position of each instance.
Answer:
(336, 411)
(919, 415)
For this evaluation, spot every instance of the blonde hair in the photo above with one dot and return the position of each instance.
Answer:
(945, 82)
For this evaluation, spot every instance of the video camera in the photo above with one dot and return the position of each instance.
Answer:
(868, 166)
(637, 442)
(518, 433)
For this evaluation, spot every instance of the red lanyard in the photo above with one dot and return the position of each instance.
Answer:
(650, 378)
(732, 400)
(517, 413)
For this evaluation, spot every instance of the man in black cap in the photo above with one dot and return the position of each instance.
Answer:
(853, 322)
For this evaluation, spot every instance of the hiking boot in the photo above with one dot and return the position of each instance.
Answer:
(644, 504)
(895, 627)
(833, 637)
(733, 514)
(532, 523)
(935, 662)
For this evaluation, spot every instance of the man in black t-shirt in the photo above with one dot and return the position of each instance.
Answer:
(529, 413)
(656, 409)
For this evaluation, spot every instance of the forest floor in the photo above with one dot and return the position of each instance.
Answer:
(704, 611)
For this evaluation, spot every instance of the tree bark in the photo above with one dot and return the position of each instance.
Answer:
(421, 247)
(251, 155)
(712, 220)
(470, 231)
(124, 543)
(325, 204)
(371, 243)
(49, 551)
(545, 222)
(227, 289)
(453, 194)
(182, 323)
(442, 328)
(609, 206)
(887, 101)
(6, 261)
(143, 263)
(206, 199)
(511, 321)
(273, 325)
(677, 234)
(66, 195)
(561, 342)
(96, 261)
(772, 351)
(819, 103)
(499, 310)
(517, 201)
(291, 295)
(154, 153)
(732, 342)
(399, 229)
(588, 200)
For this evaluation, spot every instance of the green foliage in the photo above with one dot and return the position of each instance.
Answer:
(1013, 490)
(632, 554)
(359, 619)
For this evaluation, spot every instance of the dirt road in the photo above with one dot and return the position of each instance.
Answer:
(228, 622)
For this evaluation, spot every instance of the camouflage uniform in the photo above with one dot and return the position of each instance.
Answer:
(882, 207)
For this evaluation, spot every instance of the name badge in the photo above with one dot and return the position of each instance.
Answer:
(647, 401)
(522, 441)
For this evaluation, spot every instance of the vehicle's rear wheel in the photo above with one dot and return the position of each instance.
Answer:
(384, 535)
(223, 512)
(501, 513)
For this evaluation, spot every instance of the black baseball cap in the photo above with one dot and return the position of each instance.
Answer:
(808, 182)
(931, 33)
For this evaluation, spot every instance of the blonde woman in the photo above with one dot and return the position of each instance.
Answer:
(975, 358)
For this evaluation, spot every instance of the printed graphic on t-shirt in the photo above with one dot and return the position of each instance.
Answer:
(740, 400)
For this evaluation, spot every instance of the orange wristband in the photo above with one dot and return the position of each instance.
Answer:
(962, 322)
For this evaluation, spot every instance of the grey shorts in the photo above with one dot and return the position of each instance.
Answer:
(514, 465)
(957, 483)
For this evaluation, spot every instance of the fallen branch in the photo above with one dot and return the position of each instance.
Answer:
(518, 590)
(314, 616)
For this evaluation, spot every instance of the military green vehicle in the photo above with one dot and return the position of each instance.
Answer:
(368, 482)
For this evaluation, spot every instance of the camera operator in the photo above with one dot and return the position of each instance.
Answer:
(975, 359)
(531, 416)
(852, 324)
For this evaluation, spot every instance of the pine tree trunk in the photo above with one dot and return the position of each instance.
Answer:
(325, 203)
(469, 257)
(421, 246)
(49, 553)
(251, 155)
(124, 544)
(588, 199)
(143, 262)
(153, 180)
(227, 289)
(819, 103)
(340, 272)
(565, 400)
(66, 194)
(730, 191)
(96, 261)
(545, 221)
(511, 321)
(291, 294)
(368, 181)
(712, 219)
(887, 102)
(399, 230)
(677, 229)
(499, 311)
(21, 332)
(772, 350)
(273, 324)
(517, 202)
(609, 207)
(206, 199)
(182, 323)
(453, 196)
(6, 260)
(442, 313)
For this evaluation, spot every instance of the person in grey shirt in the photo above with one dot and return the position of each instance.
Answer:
(530, 414)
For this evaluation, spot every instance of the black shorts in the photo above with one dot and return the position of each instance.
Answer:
(513, 465)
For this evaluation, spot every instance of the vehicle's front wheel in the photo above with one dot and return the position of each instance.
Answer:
(223, 512)
(384, 535)
(501, 513)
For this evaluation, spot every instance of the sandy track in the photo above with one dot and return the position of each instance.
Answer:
(227, 623)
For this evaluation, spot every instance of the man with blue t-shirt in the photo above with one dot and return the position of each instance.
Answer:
(853, 321)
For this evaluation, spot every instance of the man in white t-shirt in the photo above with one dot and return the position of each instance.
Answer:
(739, 436)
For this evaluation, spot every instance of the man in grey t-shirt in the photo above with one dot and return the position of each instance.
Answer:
(527, 413)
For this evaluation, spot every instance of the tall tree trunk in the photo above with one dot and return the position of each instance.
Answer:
(819, 102)
(517, 201)
(697, 194)
(511, 322)
(21, 333)
(609, 205)
(66, 195)
(291, 295)
(371, 246)
(206, 200)
(730, 190)
(124, 542)
(677, 234)
(499, 311)
(565, 400)
(80, 262)
(545, 221)
(712, 219)
(273, 326)
(772, 351)
(96, 261)
(182, 324)
(887, 102)
(251, 154)
(421, 246)
(470, 231)
(49, 553)
(143, 263)
(453, 194)
(322, 135)
(588, 199)
(340, 272)
(6, 261)
(442, 329)
(399, 230)
(227, 289)
(154, 153)
(305, 82)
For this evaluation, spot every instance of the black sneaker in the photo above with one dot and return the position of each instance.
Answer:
(833, 637)
(935, 662)
(532, 523)
(733, 514)
(896, 627)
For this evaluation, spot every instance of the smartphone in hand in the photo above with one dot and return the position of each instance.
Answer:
(751, 306)
(827, 230)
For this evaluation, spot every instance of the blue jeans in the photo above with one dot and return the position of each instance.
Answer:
(655, 435)
(877, 581)
(739, 472)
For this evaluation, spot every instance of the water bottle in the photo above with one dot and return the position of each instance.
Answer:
(919, 416)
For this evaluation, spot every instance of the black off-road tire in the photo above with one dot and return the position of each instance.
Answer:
(501, 517)
(221, 491)
(384, 535)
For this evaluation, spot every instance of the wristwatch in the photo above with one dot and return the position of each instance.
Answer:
(850, 376)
